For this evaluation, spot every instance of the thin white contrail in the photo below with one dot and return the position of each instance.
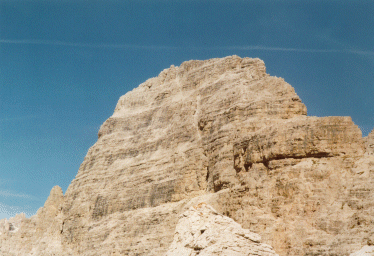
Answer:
(165, 47)
(89, 45)
(285, 49)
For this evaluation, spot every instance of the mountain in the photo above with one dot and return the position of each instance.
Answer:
(220, 132)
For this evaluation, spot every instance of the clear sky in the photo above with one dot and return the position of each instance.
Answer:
(64, 64)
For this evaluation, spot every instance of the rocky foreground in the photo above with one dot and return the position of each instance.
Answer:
(217, 134)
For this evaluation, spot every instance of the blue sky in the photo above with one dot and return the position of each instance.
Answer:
(64, 64)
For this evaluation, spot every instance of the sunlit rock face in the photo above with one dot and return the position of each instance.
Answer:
(39, 235)
(219, 131)
(370, 143)
(365, 251)
(201, 230)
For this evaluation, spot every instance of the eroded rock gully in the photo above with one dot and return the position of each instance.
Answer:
(222, 132)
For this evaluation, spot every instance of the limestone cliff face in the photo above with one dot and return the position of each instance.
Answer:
(223, 132)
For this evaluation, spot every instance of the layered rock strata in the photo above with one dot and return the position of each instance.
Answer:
(219, 131)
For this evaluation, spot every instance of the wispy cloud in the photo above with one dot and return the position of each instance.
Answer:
(89, 45)
(8, 211)
(366, 53)
(10, 194)
(166, 47)
(326, 36)
(285, 49)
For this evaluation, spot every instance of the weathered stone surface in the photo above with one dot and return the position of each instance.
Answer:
(365, 251)
(370, 143)
(13, 224)
(297, 138)
(203, 231)
(39, 235)
(219, 131)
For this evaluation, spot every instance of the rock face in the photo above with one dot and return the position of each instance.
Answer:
(219, 131)
(12, 225)
(365, 251)
(204, 232)
(370, 143)
(39, 235)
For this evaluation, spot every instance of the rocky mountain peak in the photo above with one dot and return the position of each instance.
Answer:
(223, 132)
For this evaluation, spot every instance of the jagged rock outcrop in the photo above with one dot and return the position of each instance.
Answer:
(219, 131)
(39, 235)
(204, 232)
(13, 224)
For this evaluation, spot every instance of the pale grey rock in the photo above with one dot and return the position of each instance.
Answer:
(365, 251)
(13, 224)
(203, 231)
